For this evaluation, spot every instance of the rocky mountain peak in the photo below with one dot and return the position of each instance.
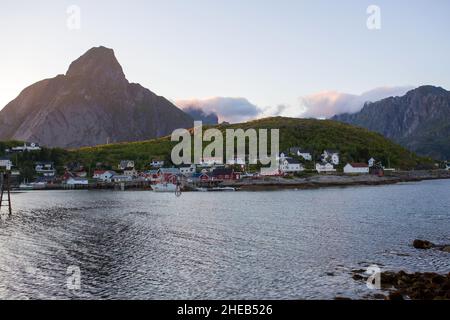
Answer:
(92, 104)
(98, 63)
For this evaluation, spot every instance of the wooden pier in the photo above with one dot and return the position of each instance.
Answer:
(5, 192)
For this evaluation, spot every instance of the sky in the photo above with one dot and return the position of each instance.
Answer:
(274, 55)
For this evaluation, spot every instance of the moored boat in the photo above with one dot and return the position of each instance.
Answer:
(164, 187)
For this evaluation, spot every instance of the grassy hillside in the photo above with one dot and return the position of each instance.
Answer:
(355, 144)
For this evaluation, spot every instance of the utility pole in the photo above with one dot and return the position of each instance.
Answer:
(5, 188)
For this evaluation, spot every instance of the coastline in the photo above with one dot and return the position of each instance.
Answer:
(276, 183)
(327, 181)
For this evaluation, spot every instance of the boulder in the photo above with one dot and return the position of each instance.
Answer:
(422, 244)
(446, 249)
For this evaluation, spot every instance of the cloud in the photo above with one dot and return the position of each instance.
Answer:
(320, 105)
(329, 103)
(233, 110)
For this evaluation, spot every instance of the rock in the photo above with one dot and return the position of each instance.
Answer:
(357, 277)
(438, 279)
(422, 244)
(396, 296)
(446, 249)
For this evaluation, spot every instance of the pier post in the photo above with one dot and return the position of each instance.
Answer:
(5, 190)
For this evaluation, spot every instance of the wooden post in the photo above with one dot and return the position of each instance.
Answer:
(5, 187)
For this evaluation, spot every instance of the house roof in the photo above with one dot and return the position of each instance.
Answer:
(332, 151)
(169, 170)
(185, 165)
(222, 172)
(292, 161)
(359, 165)
(44, 163)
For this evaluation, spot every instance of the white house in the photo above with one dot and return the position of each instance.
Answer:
(130, 172)
(290, 166)
(305, 154)
(126, 164)
(27, 147)
(356, 168)
(188, 170)
(325, 167)
(5, 163)
(211, 161)
(269, 172)
(331, 155)
(45, 168)
(371, 162)
(236, 161)
(104, 175)
(157, 163)
(121, 178)
(72, 181)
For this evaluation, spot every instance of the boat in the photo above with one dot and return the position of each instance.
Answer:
(32, 186)
(164, 187)
(25, 186)
(215, 189)
(223, 189)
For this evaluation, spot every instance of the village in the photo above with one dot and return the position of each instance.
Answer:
(210, 174)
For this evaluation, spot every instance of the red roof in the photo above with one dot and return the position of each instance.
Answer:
(99, 172)
(359, 165)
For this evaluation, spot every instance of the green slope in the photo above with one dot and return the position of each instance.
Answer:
(354, 143)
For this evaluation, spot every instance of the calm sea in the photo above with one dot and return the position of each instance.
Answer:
(239, 245)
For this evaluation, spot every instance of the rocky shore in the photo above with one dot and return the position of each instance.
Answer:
(322, 181)
(413, 286)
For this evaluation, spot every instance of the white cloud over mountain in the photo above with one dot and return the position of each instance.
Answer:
(319, 105)
(232, 110)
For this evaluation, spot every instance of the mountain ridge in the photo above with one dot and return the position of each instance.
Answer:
(93, 103)
(419, 120)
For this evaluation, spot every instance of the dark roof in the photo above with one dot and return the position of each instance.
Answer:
(292, 161)
(222, 172)
(359, 165)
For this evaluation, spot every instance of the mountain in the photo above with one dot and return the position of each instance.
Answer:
(419, 120)
(355, 144)
(93, 103)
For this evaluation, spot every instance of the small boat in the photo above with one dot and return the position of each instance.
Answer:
(223, 189)
(25, 186)
(164, 187)
(215, 189)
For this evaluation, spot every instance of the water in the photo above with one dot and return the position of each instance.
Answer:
(243, 245)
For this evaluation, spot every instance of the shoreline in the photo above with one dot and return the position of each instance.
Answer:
(329, 181)
(279, 183)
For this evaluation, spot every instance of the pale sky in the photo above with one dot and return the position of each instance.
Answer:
(269, 52)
